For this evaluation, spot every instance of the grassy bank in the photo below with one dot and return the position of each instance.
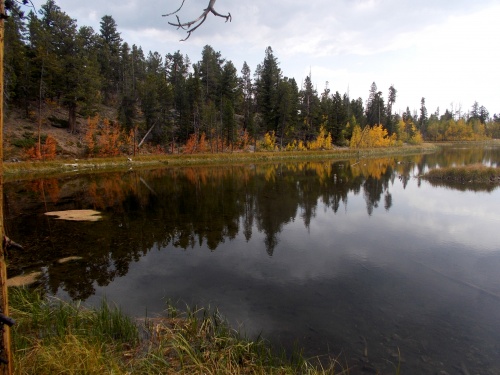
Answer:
(470, 173)
(52, 336)
(30, 169)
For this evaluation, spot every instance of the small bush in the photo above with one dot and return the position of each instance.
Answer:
(58, 123)
(28, 140)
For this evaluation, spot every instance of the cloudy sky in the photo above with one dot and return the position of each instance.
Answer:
(445, 51)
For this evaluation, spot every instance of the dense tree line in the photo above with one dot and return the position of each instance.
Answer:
(50, 60)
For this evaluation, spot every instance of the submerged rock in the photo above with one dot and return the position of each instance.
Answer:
(23, 280)
(76, 215)
(68, 259)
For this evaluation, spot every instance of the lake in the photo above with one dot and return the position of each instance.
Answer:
(359, 260)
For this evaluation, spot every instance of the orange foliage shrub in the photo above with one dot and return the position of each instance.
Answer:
(191, 144)
(216, 144)
(202, 143)
(47, 152)
(109, 141)
(244, 140)
(49, 148)
(34, 153)
(90, 137)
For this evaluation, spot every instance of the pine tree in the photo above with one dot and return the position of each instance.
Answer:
(230, 97)
(358, 111)
(375, 108)
(66, 69)
(268, 76)
(338, 117)
(109, 57)
(309, 109)
(156, 98)
(210, 69)
(247, 92)
(177, 69)
(15, 57)
(288, 99)
(391, 99)
(423, 119)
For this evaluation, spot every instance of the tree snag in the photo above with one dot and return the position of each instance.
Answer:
(193, 25)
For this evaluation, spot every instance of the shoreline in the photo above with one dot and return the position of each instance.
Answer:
(56, 336)
(35, 169)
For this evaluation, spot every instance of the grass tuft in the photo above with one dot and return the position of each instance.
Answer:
(469, 173)
(56, 337)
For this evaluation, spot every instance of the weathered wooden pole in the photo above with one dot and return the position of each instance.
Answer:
(5, 354)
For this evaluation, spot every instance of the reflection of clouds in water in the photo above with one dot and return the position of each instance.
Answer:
(346, 274)
(452, 216)
(334, 267)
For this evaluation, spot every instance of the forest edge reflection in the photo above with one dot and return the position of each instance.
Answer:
(182, 207)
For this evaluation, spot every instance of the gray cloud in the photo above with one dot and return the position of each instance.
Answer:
(369, 40)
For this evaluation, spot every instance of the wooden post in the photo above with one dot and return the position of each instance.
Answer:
(6, 355)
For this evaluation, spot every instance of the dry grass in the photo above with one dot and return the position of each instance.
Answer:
(470, 173)
(55, 337)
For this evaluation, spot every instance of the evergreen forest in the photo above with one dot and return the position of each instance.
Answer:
(206, 106)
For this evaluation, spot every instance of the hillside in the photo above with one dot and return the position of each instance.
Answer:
(21, 132)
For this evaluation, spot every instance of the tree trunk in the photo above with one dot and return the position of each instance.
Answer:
(72, 118)
(5, 355)
(144, 138)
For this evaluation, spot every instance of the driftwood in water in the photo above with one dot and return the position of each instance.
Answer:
(8, 243)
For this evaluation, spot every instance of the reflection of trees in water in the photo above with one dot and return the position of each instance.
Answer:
(181, 207)
(458, 155)
(464, 186)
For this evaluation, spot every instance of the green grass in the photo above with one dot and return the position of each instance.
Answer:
(52, 336)
(56, 337)
(469, 173)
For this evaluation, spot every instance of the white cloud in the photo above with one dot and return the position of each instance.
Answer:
(364, 5)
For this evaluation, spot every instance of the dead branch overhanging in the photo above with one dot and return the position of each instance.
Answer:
(188, 26)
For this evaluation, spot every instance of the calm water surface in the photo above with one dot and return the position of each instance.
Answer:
(344, 258)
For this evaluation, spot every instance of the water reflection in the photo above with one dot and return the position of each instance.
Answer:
(193, 206)
(182, 207)
(325, 252)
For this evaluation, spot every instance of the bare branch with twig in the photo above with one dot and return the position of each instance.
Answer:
(193, 25)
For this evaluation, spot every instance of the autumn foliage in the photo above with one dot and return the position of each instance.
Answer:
(199, 143)
(370, 137)
(47, 151)
(456, 130)
(322, 142)
(269, 141)
(104, 138)
(47, 188)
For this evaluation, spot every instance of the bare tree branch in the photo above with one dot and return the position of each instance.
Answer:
(169, 14)
(193, 25)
